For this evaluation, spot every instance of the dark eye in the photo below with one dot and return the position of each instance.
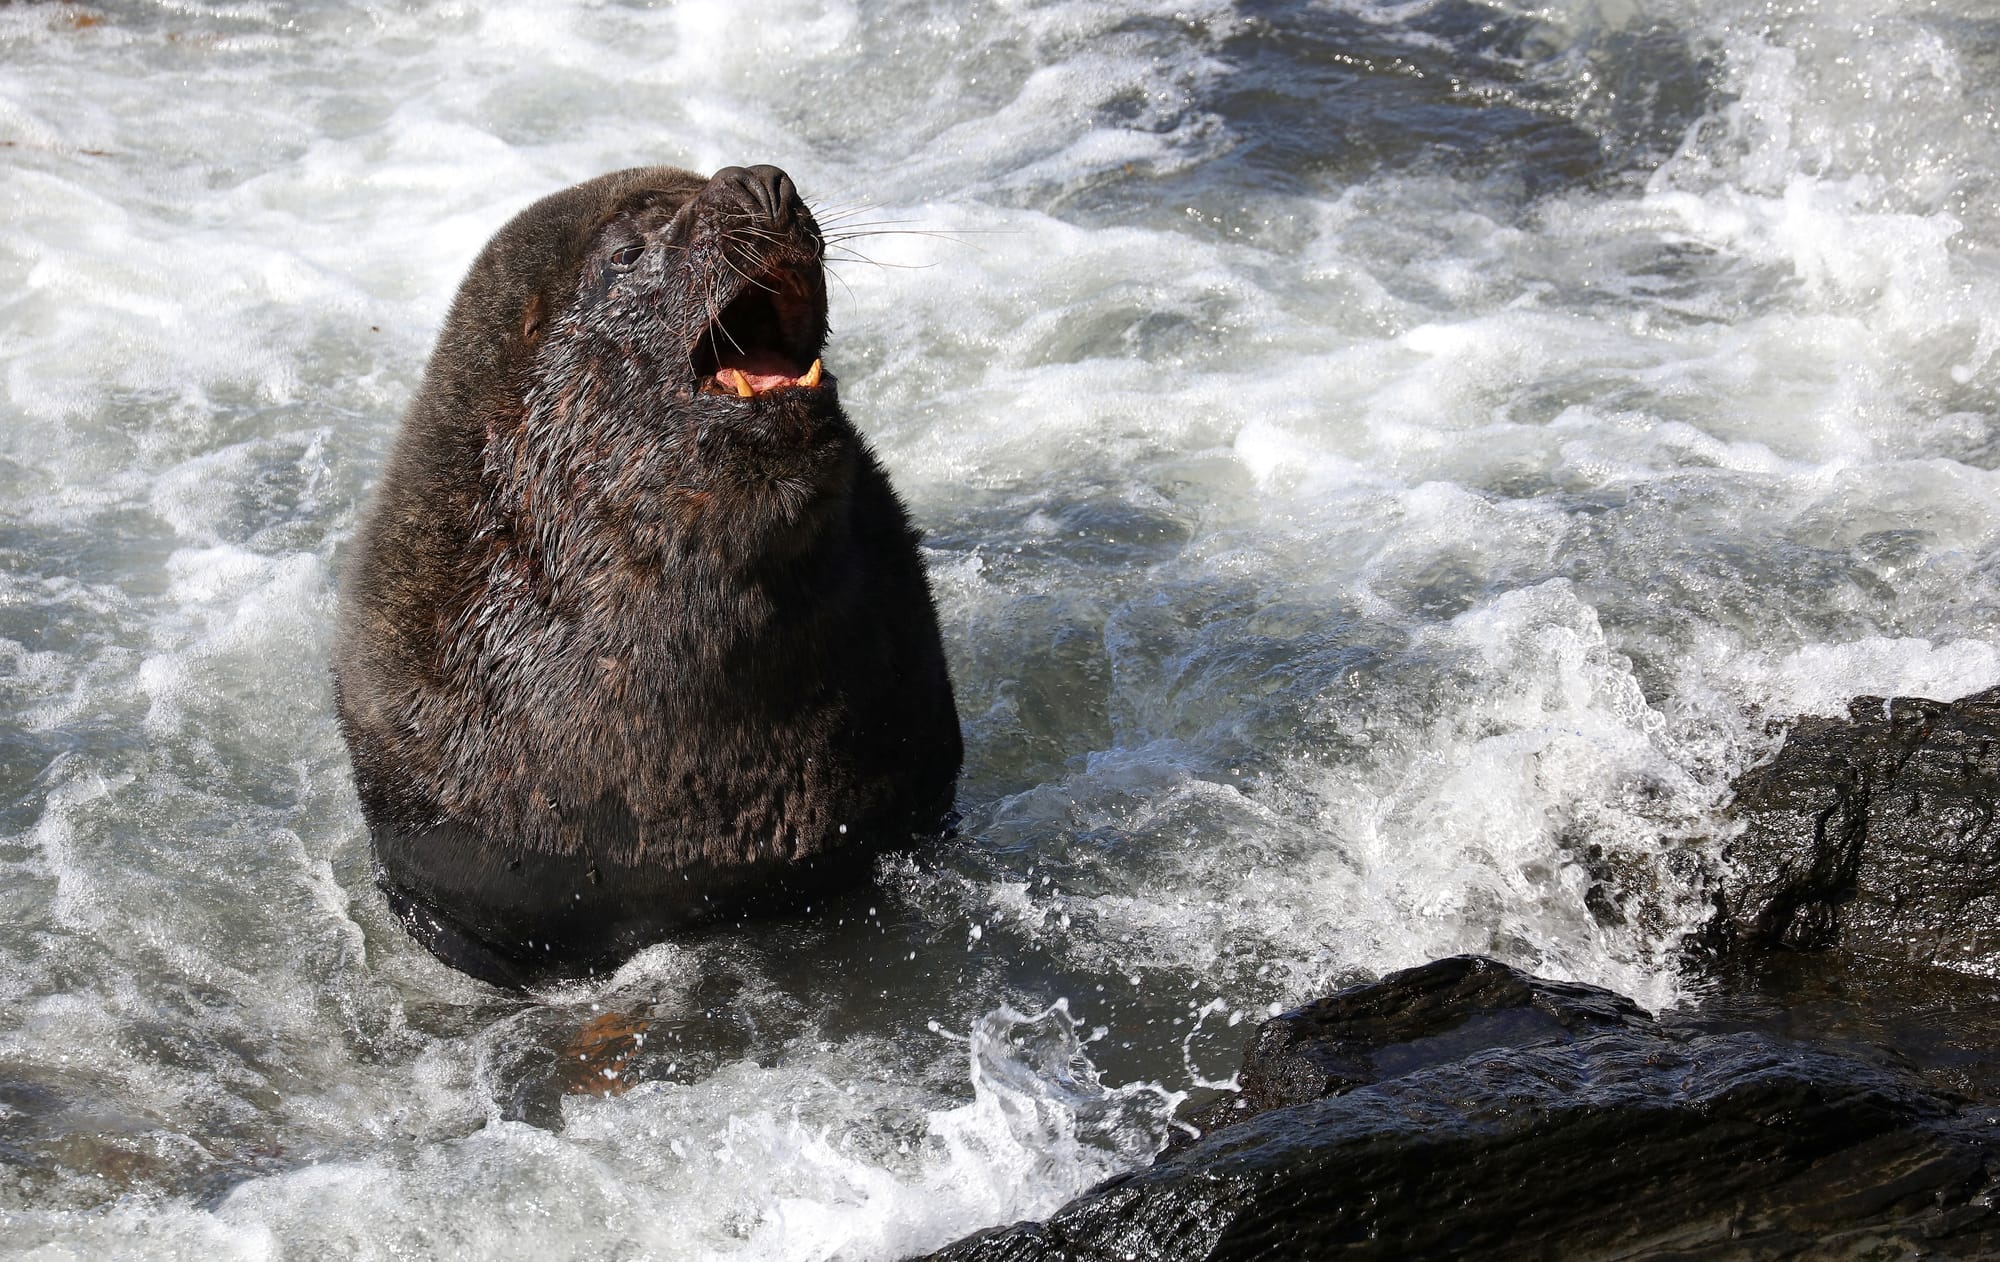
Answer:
(628, 258)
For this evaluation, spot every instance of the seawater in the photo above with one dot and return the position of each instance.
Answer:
(1386, 467)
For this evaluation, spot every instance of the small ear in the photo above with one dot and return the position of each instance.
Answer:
(531, 319)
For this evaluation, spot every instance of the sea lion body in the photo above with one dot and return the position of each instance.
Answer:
(635, 632)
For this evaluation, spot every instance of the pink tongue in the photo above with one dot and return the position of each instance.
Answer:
(761, 375)
(761, 369)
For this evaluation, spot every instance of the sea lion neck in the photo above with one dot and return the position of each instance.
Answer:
(601, 444)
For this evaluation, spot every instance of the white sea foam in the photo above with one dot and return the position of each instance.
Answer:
(1340, 569)
(823, 1156)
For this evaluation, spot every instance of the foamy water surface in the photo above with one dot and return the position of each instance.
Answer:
(1386, 468)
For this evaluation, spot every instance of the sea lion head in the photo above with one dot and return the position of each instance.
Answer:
(648, 343)
(713, 289)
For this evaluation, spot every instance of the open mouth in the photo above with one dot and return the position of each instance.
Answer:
(767, 338)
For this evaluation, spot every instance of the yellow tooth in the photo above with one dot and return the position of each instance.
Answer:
(812, 375)
(742, 383)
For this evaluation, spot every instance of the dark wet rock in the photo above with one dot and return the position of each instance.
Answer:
(1831, 1099)
(546, 1053)
(1431, 1016)
(1465, 1110)
(1874, 834)
(1937, 1023)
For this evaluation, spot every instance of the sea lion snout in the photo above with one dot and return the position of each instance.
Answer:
(762, 192)
(763, 293)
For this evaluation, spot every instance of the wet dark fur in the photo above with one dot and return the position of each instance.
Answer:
(616, 655)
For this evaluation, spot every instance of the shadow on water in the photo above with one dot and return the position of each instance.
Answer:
(1310, 96)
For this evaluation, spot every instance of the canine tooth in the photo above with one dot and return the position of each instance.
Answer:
(742, 384)
(812, 375)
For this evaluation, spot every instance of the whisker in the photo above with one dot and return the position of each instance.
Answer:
(855, 256)
(744, 276)
(838, 211)
(873, 222)
(845, 242)
(765, 234)
(955, 236)
(714, 307)
(726, 333)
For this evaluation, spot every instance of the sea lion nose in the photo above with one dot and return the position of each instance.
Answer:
(763, 191)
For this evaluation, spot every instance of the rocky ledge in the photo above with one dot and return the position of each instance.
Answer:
(1830, 1101)
(1465, 1110)
(1875, 836)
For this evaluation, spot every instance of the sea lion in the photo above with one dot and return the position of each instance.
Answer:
(634, 632)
